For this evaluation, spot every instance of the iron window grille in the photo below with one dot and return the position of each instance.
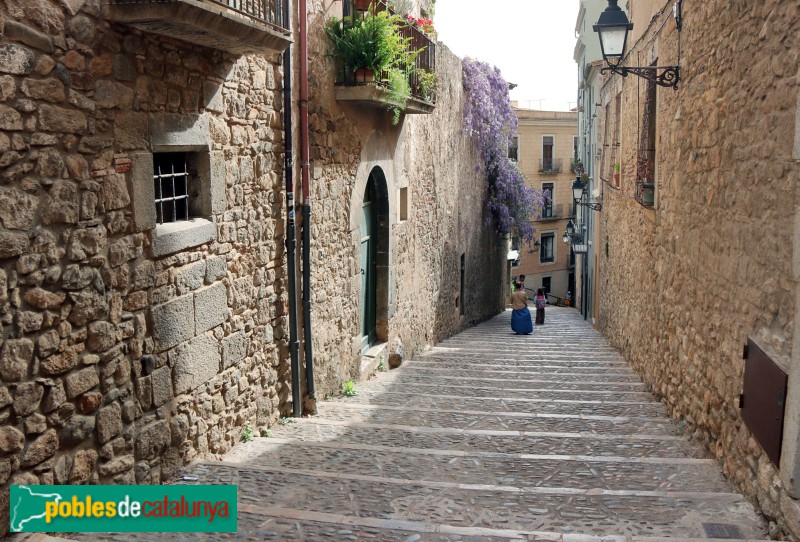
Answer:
(171, 185)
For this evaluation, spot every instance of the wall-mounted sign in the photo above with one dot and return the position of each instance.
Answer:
(580, 248)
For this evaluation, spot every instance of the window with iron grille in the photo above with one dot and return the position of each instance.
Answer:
(646, 156)
(171, 185)
(547, 248)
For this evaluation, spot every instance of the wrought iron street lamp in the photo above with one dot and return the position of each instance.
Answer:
(613, 27)
(568, 233)
(578, 190)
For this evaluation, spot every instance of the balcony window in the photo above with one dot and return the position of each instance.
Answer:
(547, 153)
(547, 248)
(513, 149)
(547, 208)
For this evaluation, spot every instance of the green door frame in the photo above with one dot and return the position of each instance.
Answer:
(368, 294)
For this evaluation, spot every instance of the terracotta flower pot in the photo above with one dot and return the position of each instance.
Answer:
(364, 76)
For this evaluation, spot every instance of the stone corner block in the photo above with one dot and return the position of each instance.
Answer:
(210, 307)
(234, 349)
(217, 177)
(143, 191)
(198, 361)
(173, 322)
(162, 386)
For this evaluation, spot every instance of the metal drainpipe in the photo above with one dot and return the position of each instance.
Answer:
(291, 241)
(304, 167)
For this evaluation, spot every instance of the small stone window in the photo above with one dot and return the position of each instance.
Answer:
(403, 194)
(179, 187)
(171, 186)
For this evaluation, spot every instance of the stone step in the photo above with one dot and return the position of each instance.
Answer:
(292, 524)
(502, 404)
(522, 470)
(593, 512)
(508, 421)
(477, 370)
(409, 378)
(511, 442)
(527, 363)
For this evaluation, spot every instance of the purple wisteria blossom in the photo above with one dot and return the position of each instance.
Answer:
(491, 122)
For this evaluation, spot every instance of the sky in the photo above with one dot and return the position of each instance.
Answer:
(531, 41)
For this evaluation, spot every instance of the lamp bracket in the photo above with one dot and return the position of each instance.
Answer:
(669, 76)
(594, 206)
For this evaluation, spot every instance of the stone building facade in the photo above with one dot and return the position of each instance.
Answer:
(141, 329)
(546, 152)
(709, 257)
(439, 254)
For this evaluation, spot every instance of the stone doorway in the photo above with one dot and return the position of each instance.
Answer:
(374, 260)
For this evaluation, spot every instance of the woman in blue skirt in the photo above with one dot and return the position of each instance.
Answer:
(521, 322)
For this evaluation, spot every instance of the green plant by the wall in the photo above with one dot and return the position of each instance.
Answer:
(383, 366)
(349, 388)
(286, 420)
(427, 84)
(266, 433)
(399, 91)
(247, 434)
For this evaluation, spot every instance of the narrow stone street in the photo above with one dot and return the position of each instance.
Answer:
(489, 436)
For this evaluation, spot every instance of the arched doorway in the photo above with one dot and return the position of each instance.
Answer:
(374, 254)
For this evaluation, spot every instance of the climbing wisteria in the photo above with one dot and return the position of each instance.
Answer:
(490, 121)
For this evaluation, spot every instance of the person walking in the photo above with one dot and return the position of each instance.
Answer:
(540, 301)
(521, 322)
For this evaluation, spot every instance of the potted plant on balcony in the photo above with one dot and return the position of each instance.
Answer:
(360, 43)
(617, 169)
(373, 42)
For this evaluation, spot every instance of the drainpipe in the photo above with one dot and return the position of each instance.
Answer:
(291, 241)
(304, 167)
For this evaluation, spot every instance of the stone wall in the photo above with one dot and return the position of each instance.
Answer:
(126, 348)
(683, 285)
(427, 155)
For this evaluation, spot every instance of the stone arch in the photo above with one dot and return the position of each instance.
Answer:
(374, 179)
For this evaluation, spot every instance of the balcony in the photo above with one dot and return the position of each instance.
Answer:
(549, 166)
(373, 91)
(552, 212)
(236, 26)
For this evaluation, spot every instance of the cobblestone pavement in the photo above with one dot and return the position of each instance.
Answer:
(488, 437)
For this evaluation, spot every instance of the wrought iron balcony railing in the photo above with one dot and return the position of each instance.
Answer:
(552, 212)
(424, 62)
(266, 11)
(550, 166)
(236, 26)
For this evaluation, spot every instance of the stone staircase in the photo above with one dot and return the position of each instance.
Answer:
(487, 437)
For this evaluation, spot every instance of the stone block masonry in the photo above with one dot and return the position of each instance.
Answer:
(684, 284)
(127, 348)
